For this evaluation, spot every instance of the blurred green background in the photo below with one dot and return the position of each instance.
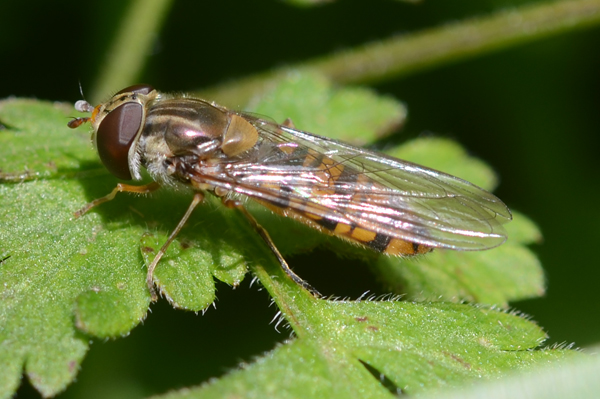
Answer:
(531, 111)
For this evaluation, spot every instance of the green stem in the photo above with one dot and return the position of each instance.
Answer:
(403, 55)
(132, 45)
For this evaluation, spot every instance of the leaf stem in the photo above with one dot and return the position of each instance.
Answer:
(132, 45)
(406, 54)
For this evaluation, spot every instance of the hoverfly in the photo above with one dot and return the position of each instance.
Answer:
(383, 203)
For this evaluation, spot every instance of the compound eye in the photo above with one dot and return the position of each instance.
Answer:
(138, 89)
(115, 135)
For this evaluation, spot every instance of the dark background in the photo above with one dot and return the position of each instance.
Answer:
(532, 112)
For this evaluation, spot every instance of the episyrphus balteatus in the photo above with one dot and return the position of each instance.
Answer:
(383, 203)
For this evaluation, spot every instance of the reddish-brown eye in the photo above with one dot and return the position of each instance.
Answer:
(138, 89)
(115, 135)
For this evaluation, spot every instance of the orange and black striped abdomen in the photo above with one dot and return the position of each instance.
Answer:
(333, 178)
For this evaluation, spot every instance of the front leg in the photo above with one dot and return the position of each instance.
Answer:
(121, 188)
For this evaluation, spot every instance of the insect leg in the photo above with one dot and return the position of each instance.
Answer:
(121, 188)
(267, 239)
(198, 197)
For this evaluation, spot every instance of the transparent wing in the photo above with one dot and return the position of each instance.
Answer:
(337, 183)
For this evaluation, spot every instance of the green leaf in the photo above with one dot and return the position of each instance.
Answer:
(356, 115)
(575, 378)
(63, 272)
(510, 272)
(53, 260)
(185, 275)
(344, 347)
(66, 276)
(55, 150)
(449, 157)
(355, 346)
